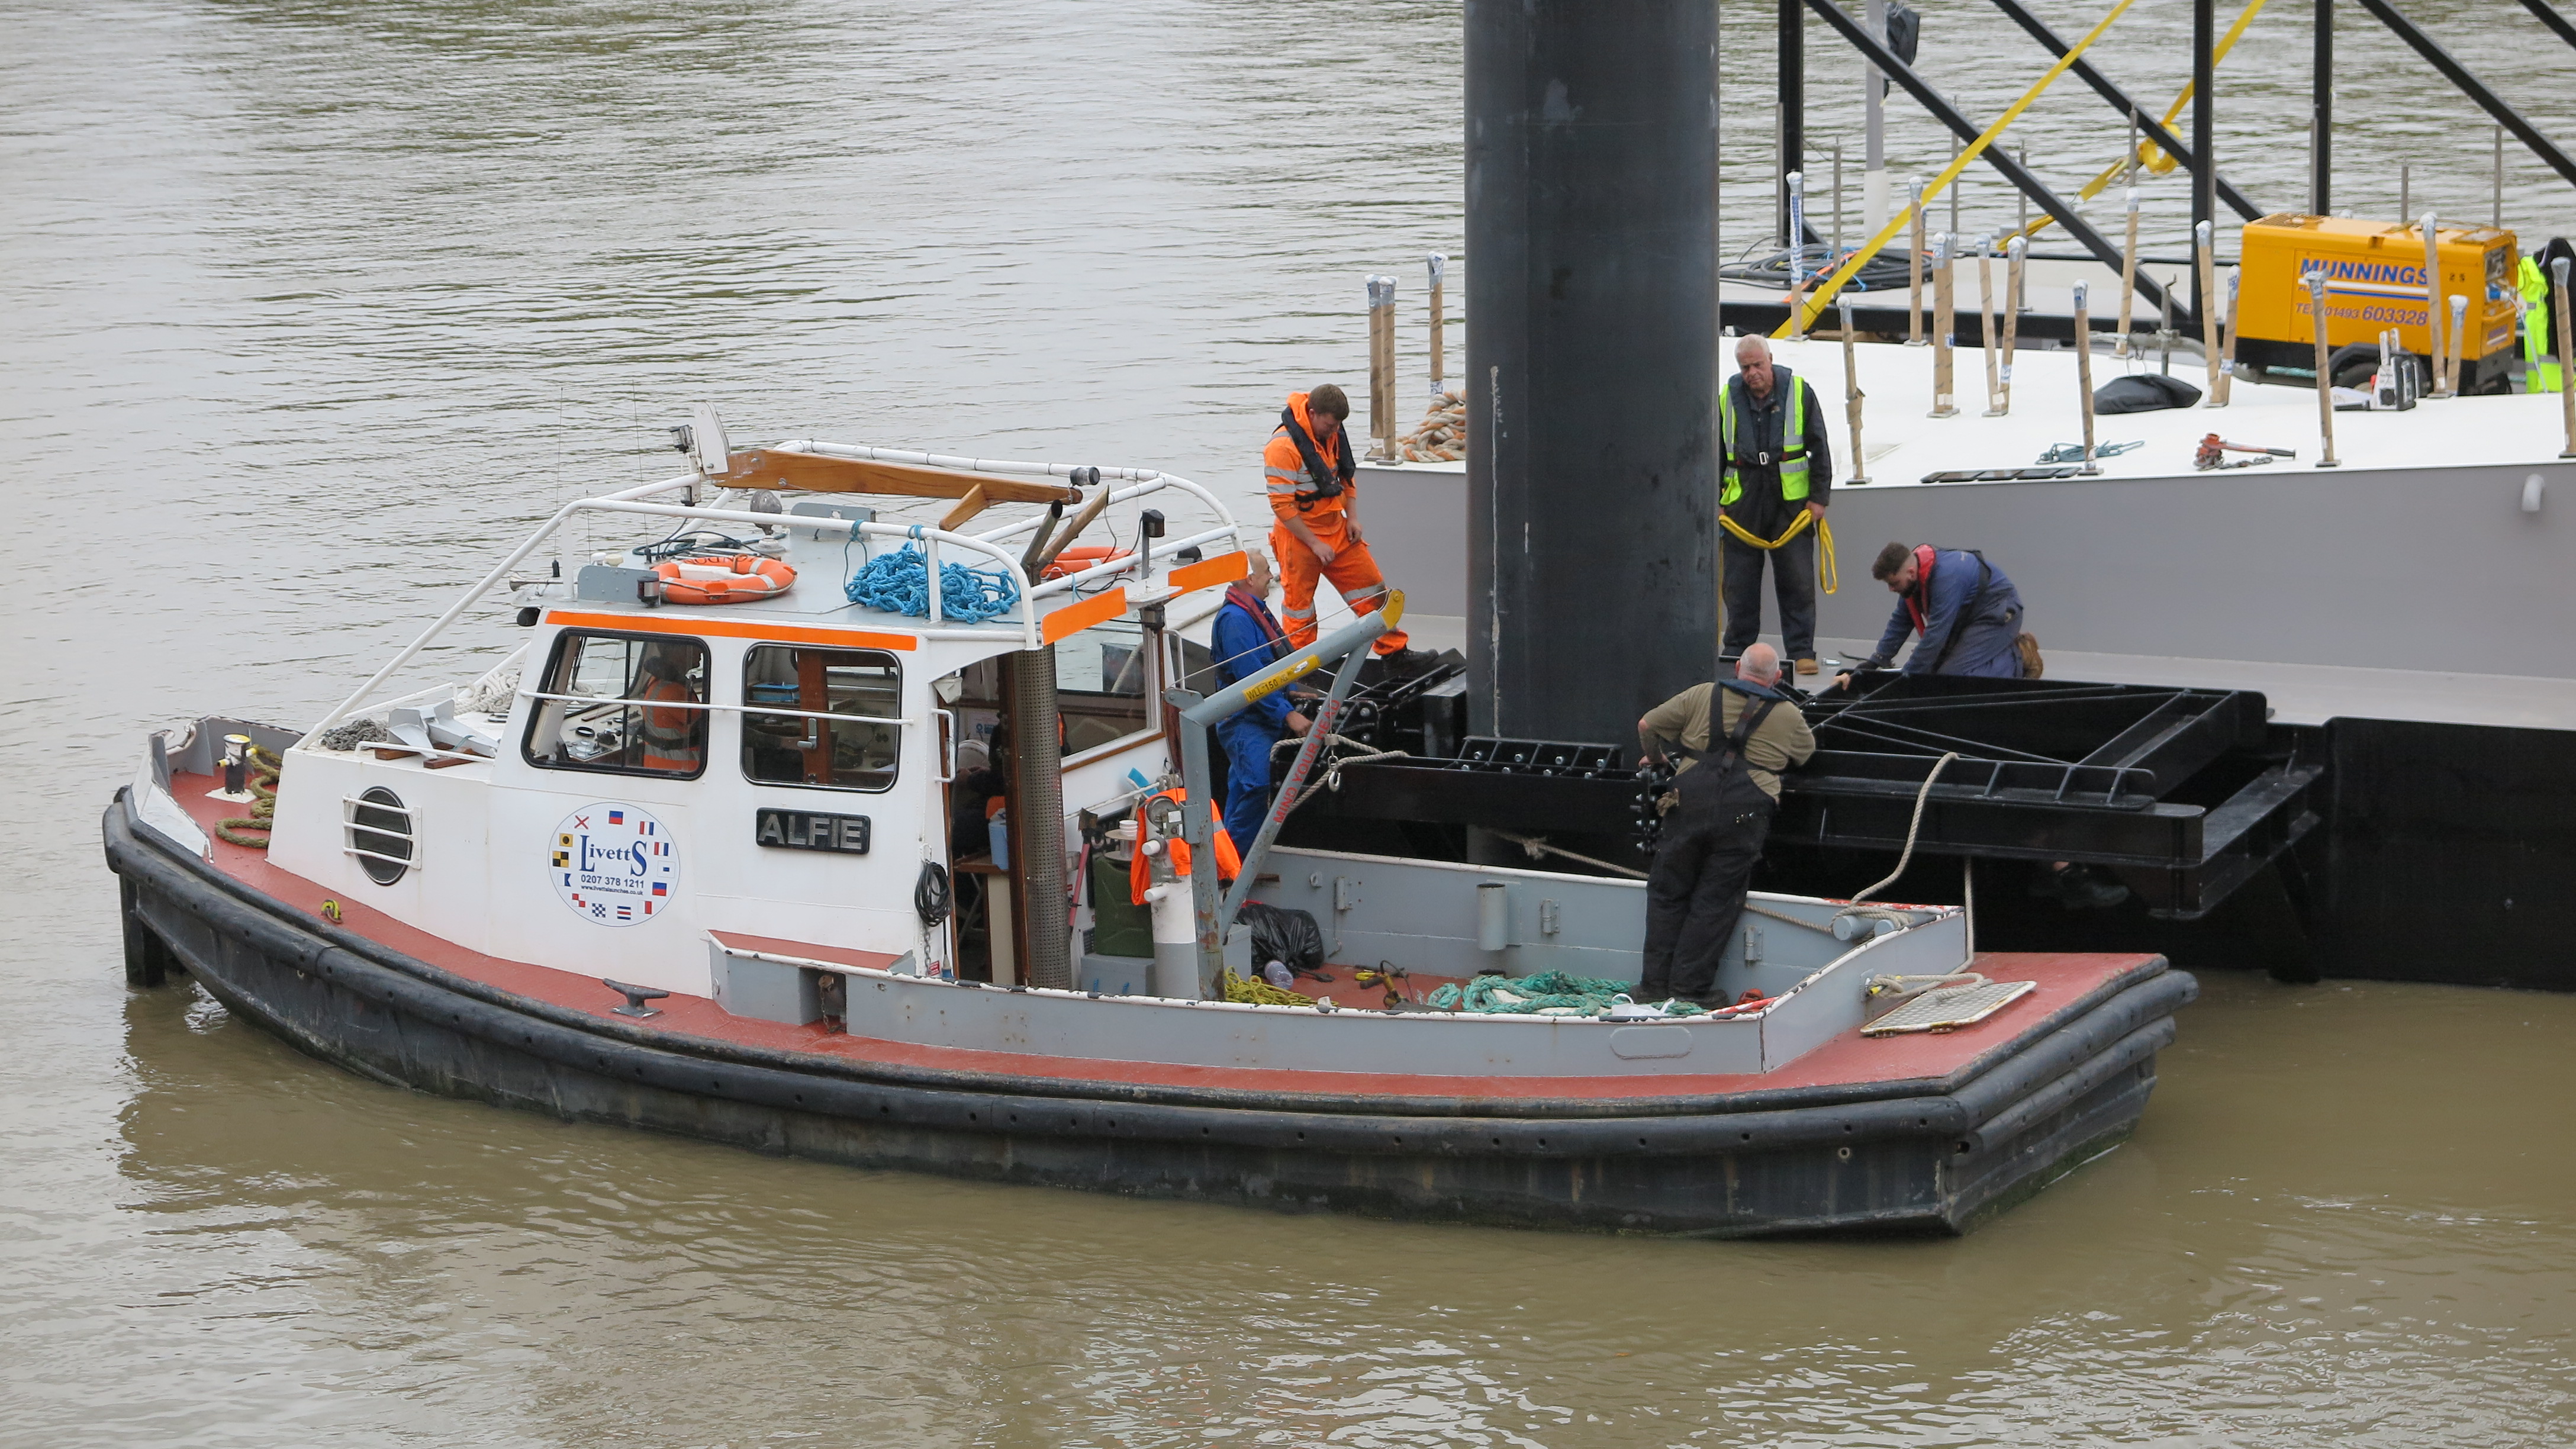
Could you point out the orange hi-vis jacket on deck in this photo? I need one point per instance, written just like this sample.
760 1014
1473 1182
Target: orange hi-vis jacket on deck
1295 493
1140 872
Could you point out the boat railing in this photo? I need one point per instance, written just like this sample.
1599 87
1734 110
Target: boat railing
1137 482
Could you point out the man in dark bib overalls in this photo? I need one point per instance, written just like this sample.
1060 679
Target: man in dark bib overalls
1732 740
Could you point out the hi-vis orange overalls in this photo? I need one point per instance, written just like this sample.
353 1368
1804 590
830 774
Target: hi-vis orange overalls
1296 493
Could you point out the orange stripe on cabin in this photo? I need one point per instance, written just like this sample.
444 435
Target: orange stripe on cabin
1074 618
729 629
1225 568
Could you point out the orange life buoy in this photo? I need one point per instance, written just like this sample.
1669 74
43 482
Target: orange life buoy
1075 560
723 578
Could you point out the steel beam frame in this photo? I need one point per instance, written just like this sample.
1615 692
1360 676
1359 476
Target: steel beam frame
2107 89
1948 115
2458 75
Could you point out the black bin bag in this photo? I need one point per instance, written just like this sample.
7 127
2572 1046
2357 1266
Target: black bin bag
1283 935
2144 392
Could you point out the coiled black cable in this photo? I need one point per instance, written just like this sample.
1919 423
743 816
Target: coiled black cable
931 899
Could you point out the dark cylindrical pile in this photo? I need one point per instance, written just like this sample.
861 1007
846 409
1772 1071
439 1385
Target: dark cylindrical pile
1591 166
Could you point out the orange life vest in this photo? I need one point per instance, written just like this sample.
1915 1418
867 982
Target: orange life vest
1140 872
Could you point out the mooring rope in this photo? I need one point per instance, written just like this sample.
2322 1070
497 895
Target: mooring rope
265 770
1912 828
899 583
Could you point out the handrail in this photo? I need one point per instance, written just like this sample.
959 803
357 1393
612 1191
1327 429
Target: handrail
1140 481
455 611
1979 144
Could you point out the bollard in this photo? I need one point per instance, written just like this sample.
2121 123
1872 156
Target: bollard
1914 270
2566 357
2433 303
2084 375
1851 397
2227 343
2012 319
1382 425
2459 330
1944 318
2128 257
1986 322
2316 283
2206 256
1439 268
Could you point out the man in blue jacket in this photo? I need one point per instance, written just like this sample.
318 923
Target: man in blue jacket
1968 614
1247 640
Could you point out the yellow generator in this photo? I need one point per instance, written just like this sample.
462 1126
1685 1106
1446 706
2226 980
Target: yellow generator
2374 281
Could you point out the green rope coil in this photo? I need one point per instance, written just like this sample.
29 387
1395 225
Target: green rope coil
1549 993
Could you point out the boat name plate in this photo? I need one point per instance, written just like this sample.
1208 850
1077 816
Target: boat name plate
811 830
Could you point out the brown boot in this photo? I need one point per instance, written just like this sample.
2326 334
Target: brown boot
2031 664
1807 665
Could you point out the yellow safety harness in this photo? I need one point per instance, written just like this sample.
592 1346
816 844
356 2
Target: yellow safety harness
1826 575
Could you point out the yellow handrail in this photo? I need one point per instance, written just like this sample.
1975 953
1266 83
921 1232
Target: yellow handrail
1816 305
2150 155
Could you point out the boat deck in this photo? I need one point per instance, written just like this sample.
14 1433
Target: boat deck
1849 1066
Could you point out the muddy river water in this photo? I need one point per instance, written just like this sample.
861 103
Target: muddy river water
310 306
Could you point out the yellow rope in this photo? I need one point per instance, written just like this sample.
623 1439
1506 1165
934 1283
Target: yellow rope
1815 306
1259 993
1828 576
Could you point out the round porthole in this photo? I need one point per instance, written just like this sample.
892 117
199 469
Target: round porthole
380 831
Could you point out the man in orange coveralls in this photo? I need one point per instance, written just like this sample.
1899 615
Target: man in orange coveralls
1309 470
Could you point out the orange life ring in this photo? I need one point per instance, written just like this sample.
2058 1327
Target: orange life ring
723 578
1075 560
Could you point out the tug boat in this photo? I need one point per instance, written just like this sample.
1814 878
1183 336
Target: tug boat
839 864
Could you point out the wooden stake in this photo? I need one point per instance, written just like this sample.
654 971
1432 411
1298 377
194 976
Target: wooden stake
1914 272
1944 321
1382 425
2012 318
2227 347
1439 266
2084 375
2433 302
2566 358
1851 398
2316 283
2204 244
2459 330
2128 256
1986 323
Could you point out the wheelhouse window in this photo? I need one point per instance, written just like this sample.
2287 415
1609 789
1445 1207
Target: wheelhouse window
621 703
837 725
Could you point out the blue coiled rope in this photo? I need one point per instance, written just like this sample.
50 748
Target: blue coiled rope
899 583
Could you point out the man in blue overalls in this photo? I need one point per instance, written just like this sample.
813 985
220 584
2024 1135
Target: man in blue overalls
1968 614
1248 640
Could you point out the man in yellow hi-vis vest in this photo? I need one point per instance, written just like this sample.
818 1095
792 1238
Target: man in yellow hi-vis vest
1779 477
